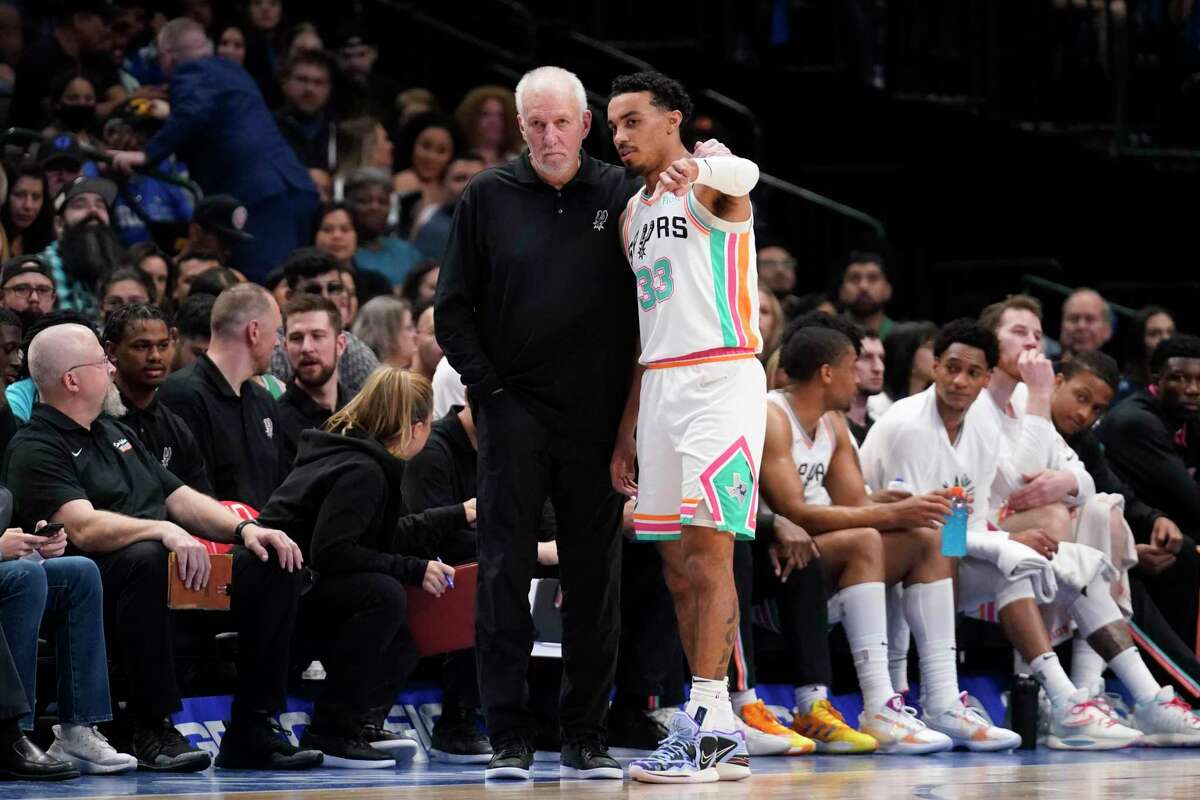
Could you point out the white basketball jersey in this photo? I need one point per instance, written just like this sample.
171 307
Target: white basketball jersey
697 281
812 456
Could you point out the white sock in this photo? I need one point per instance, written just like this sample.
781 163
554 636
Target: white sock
898 637
809 695
1053 678
1087 667
864 617
711 696
739 699
929 608
1129 667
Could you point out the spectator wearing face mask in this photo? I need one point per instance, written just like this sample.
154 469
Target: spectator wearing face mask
73 100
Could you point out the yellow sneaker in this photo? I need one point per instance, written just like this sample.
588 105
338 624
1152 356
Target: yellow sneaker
757 716
830 731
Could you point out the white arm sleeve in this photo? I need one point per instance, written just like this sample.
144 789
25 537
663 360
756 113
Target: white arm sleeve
729 175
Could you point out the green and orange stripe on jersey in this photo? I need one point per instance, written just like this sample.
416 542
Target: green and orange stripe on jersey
729 258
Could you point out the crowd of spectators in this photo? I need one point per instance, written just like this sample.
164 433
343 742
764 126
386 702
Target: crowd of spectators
164 349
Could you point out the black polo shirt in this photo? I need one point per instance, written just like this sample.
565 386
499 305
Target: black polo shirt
168 439
536 295
238 437
53 460
298 412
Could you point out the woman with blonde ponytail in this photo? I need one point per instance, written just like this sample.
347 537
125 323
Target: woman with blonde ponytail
342 504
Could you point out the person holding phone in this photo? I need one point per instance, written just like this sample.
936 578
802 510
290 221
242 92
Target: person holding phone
42 589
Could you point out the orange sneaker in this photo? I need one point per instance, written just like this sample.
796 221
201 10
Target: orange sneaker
759 717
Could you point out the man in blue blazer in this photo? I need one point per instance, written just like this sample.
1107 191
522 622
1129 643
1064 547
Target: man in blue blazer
221 128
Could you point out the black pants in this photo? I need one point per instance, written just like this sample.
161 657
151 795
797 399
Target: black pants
357 625
1176 592
1155 626
796 607
12 693
650 664
520 464
137 628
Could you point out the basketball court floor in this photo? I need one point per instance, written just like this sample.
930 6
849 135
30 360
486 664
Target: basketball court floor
1128 775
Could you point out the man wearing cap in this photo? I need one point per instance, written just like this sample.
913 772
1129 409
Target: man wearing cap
86 247
362 89
27 287
80 41
63 161
220 126
218 225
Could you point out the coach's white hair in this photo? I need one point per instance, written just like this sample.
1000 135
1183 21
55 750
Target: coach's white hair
555 79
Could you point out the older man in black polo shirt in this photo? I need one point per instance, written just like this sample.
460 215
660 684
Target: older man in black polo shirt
138 340
122 508
534 310
234 420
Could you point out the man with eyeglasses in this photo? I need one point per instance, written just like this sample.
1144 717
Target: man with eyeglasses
311 270
28 287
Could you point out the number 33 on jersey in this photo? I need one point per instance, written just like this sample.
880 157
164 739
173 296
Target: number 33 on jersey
697 282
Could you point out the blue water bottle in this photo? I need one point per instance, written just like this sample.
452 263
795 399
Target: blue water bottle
954 532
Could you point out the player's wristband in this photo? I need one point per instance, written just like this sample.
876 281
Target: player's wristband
729 175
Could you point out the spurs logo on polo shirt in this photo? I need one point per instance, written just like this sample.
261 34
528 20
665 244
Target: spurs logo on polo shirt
122 445
269 427
166 457
601 218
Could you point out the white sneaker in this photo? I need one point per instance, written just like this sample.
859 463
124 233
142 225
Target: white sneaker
1167 720
1115 706
896 727
968 728
1083 724
88 750
760 743
315 671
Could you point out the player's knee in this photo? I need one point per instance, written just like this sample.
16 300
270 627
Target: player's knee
1056 522
868 547
675 576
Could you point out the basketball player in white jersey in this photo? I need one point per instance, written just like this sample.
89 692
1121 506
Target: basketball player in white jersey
930 441
811 475
697 402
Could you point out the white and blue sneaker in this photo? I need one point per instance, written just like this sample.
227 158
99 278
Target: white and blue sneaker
677 758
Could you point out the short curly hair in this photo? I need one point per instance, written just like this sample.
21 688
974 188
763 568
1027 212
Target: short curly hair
971 333
665 93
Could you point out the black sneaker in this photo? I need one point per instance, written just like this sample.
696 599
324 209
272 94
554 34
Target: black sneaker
398 746
345 750
588 758
512 759
259 743
161 748
634 728
457 738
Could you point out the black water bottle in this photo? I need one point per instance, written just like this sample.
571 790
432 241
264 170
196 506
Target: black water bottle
1024 704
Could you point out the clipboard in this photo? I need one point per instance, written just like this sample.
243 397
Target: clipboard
447 623
214 597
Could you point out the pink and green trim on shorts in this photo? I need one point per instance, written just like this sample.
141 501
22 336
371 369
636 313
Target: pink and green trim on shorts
730 486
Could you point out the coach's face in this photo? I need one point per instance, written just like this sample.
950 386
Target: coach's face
554 126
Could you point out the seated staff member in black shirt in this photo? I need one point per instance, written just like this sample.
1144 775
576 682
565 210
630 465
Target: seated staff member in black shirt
343 502
139 341
313 341
234 420
1152 438
120 506
1169 566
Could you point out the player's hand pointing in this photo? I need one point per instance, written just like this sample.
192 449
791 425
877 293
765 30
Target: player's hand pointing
678 177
